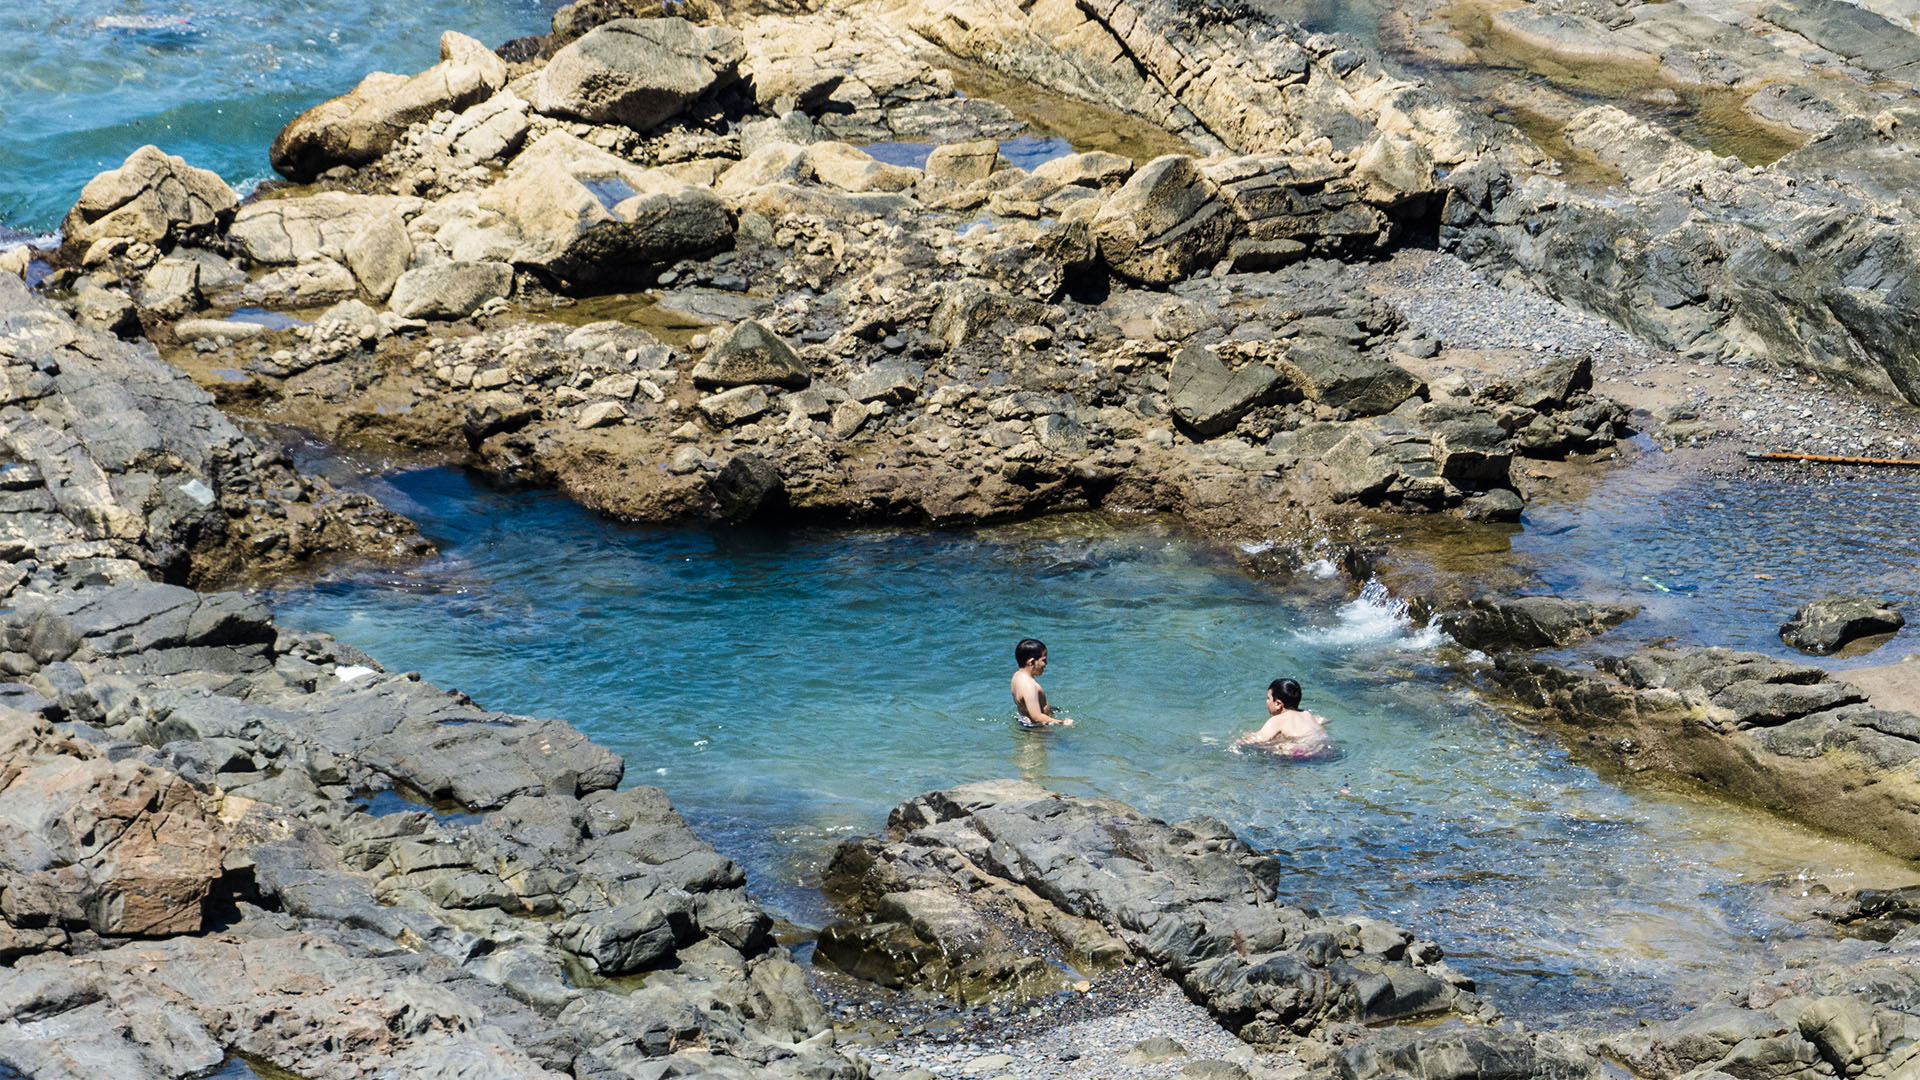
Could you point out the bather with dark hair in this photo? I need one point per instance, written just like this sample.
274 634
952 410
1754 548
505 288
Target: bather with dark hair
1289 729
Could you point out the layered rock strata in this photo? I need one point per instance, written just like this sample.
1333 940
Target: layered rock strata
1765 732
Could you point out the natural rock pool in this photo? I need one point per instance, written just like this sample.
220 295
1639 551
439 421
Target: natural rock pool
787 689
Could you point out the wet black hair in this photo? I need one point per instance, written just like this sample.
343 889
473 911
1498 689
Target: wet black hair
1286 692
1028 649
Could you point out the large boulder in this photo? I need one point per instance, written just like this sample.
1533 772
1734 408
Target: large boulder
637 72
451 290
583 215
361 126
152 196
1832 622
1208 398
750 355
1339 376
1164 223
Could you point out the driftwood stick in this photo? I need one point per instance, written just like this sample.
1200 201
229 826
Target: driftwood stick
1781 455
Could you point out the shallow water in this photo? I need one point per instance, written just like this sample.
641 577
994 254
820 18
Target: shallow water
1726 561
85 82
787 689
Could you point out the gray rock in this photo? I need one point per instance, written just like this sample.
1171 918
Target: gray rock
152 196
965 163
1492 623
1152 1051
972 306
637 72
171 288
1165 222
749 487
730 408
1831 623
109 311
379 253
1342 377
750 354
1208 399
890 380
449 290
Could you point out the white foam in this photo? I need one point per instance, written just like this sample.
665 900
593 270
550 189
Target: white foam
350 672
1324 569
1375 617
1257 547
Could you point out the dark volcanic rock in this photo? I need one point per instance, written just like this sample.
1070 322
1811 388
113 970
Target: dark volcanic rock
1494 623
1208 398
1189 897
1830 623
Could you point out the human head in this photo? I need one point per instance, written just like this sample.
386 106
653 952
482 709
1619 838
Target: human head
1029 650
1285 691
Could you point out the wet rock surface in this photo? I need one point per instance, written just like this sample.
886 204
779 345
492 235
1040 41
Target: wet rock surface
218 837
1831 623
1766 732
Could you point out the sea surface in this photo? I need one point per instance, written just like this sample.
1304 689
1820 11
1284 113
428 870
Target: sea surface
788 688
83 83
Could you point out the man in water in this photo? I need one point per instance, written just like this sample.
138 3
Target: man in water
1289 729
1029 701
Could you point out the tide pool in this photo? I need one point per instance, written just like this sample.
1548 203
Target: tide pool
788 688
84 83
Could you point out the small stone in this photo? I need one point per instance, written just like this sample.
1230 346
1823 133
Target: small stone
687 459
600 414
492 379
1153 1051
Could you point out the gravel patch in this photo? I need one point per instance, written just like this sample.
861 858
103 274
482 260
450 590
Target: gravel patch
1129 1044
1489 330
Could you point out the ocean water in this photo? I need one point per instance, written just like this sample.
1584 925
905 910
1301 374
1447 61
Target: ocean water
788 688
83 83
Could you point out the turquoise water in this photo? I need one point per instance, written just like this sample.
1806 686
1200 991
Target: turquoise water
788 689
85 82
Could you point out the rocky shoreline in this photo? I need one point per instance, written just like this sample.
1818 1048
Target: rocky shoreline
661 264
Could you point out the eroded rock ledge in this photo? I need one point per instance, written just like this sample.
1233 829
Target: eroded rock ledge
1765 732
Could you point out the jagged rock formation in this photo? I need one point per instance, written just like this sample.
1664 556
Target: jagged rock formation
1187 897
111 454
191 865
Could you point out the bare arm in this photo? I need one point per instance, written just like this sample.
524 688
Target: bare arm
1267 733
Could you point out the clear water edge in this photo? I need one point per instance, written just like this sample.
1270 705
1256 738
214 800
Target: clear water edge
787 689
